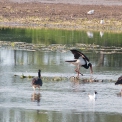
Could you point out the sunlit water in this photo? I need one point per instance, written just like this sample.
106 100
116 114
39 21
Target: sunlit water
61 98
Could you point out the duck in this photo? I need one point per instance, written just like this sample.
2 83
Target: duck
94 96
119 81
37 81
80 60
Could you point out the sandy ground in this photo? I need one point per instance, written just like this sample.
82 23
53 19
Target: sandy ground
60 13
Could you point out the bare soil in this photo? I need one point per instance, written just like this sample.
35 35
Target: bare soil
59 14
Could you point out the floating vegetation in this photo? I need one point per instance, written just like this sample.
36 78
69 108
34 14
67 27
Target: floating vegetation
76 79
64 78
61 47
44 78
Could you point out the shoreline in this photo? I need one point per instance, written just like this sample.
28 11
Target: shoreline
60 16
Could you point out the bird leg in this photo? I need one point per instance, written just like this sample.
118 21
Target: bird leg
76 70
91 70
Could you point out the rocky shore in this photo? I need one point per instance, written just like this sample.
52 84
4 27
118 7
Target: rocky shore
61 16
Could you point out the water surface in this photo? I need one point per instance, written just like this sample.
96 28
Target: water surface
65 100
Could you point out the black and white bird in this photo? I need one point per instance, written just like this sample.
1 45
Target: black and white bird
94 96
80 60
37 81
119 81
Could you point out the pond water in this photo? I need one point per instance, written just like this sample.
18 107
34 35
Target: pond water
62 101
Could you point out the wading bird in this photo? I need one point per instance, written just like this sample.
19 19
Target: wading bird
37 81
80 60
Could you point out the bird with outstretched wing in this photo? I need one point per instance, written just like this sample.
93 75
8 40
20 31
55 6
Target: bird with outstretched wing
80 60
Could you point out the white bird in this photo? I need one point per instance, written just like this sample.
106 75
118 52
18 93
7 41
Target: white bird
102 21
90 12
94 96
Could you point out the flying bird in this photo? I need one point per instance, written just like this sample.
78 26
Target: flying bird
80 60
37 81
119 81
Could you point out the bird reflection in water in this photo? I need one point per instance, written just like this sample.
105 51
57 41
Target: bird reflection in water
36 97
75 82
119 94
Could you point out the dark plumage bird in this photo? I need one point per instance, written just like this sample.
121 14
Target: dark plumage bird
80 60
119 81
37 81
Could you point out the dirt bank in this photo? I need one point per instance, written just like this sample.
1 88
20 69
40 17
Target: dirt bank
69 16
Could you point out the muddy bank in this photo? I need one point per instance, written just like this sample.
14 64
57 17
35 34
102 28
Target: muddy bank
67 16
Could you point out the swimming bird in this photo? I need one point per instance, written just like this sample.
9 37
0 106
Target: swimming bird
94 96
119 81
37 81
80 60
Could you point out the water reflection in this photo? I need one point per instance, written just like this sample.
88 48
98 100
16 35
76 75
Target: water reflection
36 97
101 34
62 101
55 61
17 115
54 36
101 59
90 34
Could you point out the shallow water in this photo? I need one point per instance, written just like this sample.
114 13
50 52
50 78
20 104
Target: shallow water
62 101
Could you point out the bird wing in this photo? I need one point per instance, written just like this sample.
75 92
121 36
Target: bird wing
119 81
71 61
78 53
120 78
